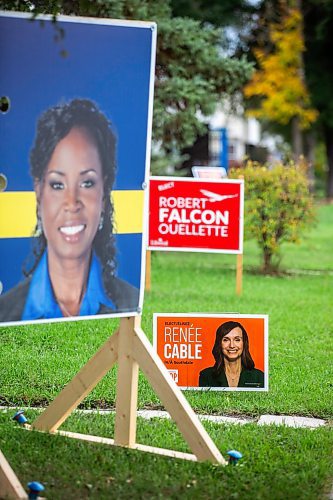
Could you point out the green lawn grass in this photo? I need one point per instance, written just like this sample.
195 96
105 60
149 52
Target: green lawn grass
40 360
278 462
37 361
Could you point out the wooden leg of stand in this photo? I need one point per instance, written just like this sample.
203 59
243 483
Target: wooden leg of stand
10 486
127 386
79 387
148 271
239 274
173 399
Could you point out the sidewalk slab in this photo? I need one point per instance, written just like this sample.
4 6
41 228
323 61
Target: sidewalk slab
290 421
149 414
287 420
220 419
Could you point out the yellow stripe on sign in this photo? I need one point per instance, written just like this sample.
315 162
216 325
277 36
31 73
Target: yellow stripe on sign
128 207
18 213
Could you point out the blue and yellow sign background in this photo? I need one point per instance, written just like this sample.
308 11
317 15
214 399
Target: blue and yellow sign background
45 63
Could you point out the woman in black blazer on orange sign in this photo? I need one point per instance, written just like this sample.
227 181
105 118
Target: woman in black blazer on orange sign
234 366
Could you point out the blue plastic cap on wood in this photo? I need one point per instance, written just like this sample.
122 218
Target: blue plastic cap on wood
34 489
234 456
19 417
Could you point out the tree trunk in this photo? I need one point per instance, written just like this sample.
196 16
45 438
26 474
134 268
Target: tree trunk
267 267
329 151
297 139
310 158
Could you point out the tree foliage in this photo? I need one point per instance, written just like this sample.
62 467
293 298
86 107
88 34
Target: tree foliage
318 29
191 77
279 82
191 74
253 21
278 207
215 12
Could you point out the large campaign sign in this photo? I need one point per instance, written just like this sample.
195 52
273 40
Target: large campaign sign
220 352
75 150
196 215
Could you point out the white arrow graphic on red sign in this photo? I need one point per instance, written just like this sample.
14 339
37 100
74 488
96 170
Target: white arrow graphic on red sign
217 197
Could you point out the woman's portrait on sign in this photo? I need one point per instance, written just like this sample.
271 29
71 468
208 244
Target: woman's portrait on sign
73 268
234 366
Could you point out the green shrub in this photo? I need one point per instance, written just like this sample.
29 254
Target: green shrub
278 206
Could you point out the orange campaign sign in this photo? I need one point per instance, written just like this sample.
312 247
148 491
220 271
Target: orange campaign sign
226 352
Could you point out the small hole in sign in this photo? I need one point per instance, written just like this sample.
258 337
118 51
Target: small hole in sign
3 182
4 104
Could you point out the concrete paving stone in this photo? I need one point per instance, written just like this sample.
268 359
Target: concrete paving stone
287 420
291 421
149 414
220 419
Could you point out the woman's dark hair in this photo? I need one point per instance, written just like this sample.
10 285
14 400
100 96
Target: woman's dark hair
222 331
53 126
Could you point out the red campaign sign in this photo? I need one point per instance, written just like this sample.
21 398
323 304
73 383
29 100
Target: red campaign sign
195 214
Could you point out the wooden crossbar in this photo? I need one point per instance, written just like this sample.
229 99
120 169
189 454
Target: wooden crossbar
136 446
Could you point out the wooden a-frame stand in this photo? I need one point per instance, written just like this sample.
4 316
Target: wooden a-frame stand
130 347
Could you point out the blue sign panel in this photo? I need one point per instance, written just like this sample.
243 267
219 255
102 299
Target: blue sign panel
74 149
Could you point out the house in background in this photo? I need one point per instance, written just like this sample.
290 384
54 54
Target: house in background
231 137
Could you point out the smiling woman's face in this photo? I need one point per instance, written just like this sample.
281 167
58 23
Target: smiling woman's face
232 344
70 196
